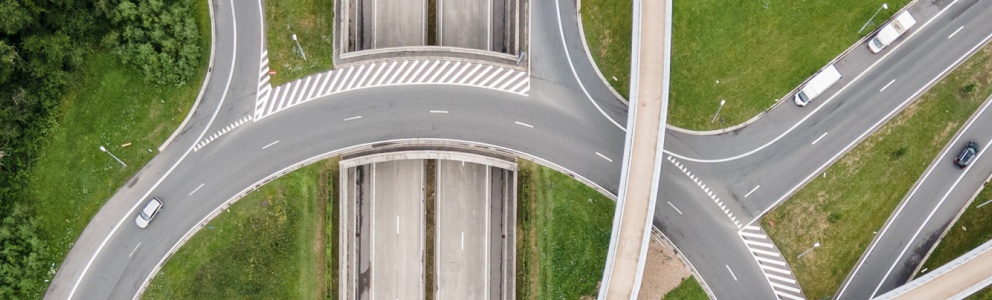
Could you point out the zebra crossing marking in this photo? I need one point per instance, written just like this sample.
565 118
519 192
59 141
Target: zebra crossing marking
271 99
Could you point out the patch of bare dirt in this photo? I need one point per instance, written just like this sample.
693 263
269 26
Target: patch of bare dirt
663 271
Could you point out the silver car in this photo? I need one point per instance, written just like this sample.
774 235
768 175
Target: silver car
148 213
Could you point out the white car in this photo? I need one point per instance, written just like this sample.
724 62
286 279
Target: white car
148 213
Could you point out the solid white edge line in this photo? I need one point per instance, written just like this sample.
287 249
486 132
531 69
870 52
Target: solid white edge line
230 76
561 33
884 229
841 90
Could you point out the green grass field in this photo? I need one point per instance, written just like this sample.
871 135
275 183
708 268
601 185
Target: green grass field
689 289
750 53
312 22
268 245
607 28
862 189
563 232
970 231
108 105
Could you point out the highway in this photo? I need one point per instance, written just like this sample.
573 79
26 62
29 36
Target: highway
570 121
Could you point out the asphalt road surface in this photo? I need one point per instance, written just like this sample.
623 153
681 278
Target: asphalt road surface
574 124
397 230
462 230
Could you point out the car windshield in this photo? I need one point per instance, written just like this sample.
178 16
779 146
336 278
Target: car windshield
143 215
877 43
802 96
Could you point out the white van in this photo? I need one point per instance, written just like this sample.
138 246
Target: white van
891 32
822 81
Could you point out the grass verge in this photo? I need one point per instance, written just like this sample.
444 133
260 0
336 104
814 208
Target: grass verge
563 232
268 245
607 26
748 52
689 289
970 231
312 23
108 105
862 189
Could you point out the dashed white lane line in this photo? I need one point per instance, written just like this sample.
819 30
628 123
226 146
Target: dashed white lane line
955 32
820 138
524 124
463 240
352 118
604 157
439 111
397 224
135 249
676 208
196 189
752 191
887 85
270 145
731 272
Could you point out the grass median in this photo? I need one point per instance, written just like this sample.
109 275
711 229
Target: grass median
563 232
107 105
842 209
272 244
312 23
750 53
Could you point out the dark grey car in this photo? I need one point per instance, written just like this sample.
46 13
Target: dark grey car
967 155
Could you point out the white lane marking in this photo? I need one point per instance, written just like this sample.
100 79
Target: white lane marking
135 249
844 88
196 189
731 272
676 208
524 124
223 96
820 138
887 85
604 157
397 224
439 111
862 136
752 191
463 240
955 32
352 118
925 221
561 32
270 145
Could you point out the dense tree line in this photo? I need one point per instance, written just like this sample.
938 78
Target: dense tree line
41 43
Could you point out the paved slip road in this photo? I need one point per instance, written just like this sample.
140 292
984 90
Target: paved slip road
571 114
462 230
397 230
398 23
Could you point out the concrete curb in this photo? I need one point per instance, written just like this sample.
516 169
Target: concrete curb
206 79
786 97
351 150
585 46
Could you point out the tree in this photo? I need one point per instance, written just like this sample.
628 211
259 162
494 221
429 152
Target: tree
21 256
161 40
